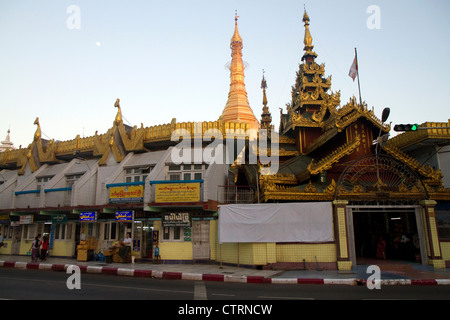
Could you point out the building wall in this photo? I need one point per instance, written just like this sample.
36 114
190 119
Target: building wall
176 251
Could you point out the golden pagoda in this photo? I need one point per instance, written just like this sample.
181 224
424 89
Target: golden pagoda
237 108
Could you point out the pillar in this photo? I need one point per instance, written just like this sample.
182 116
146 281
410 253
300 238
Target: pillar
433 245
340 232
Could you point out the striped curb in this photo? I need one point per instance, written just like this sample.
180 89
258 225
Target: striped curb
170 275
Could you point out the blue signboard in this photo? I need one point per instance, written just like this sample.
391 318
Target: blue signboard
124 215
52 237
88 216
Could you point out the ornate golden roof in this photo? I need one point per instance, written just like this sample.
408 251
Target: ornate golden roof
119 139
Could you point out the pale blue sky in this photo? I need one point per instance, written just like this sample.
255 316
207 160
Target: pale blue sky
166 59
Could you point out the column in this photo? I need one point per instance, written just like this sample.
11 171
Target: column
340 232
433 245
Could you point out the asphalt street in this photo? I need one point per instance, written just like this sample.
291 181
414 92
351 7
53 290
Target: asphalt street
40 285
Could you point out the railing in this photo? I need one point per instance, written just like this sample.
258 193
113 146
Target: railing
235 194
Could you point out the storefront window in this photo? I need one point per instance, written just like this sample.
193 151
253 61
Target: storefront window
110 231
63 231
30 231
172 233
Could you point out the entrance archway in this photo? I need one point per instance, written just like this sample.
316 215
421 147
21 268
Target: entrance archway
383 195
379 178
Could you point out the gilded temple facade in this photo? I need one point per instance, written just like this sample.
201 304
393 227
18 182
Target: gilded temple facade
326 155
339 154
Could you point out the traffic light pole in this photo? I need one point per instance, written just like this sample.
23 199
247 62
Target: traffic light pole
425 128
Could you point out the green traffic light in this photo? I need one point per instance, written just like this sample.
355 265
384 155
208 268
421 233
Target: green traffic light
414 127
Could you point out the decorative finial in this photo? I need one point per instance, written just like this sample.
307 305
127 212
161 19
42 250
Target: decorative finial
235 16
266 117
264 87
305 16
308 38
118 119
263 82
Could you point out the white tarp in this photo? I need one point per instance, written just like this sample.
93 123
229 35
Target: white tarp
276 222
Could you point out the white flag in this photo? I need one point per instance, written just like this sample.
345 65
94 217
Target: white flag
353 69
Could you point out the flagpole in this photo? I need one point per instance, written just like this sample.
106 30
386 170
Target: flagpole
357 72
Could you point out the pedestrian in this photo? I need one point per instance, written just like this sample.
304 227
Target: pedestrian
127 244
381 248
157 257
44 248
35 248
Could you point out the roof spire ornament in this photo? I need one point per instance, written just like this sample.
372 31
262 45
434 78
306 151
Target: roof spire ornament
266 117
118 119
307 41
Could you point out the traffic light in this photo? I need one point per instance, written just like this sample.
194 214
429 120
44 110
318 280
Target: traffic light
406 127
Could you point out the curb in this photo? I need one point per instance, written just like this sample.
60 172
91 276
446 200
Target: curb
212 277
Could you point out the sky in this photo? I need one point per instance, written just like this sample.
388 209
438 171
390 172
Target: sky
67 61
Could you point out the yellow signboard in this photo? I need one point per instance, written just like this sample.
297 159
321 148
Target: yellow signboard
177 192
126 194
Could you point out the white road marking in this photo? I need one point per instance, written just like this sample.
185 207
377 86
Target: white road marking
200 291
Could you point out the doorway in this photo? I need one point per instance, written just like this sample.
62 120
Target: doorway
386 233
16 239
200 240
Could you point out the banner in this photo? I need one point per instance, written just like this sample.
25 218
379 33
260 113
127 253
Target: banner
177 192
276 222
27 219
126 194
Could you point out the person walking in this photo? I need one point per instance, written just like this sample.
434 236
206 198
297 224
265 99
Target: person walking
157 256
44 248
35 248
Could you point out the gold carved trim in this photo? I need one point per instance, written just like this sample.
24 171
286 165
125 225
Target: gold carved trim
337 154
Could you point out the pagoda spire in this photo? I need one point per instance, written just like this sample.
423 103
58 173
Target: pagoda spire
266 117
309 55
237 108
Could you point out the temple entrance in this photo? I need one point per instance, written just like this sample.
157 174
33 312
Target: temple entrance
386 234
384 222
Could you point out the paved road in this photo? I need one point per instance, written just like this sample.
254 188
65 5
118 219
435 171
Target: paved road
38 284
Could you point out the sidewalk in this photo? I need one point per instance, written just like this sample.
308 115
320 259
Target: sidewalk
406 274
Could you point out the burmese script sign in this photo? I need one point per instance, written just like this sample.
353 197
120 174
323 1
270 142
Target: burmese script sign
177 192
124 215
180 219
125 194
88 216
